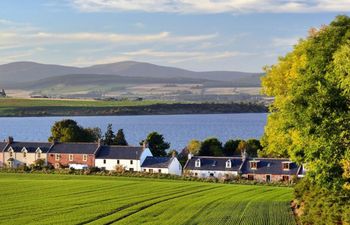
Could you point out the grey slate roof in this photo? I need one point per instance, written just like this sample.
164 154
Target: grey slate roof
214 163
30 146
269 166
2 146
119 152
74 148
156 162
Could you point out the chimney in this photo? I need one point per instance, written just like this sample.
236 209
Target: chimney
244 155
190 155
10 140
99 142
145 144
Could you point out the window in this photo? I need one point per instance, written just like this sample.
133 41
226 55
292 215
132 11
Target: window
131 169
85 157
228 164
57 157
104 161
131 162
254 165
10 163
198 163
150 170
118 162
285 178
211 174
24 154
159 171
285 165
57 165
11 154
38 155
250 177
70 157
196 174
144 170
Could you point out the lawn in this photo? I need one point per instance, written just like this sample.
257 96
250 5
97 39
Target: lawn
63 199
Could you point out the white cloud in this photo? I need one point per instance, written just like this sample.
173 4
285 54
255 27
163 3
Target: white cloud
214 6
285 42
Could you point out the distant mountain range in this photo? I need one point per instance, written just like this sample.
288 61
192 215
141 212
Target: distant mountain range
30 75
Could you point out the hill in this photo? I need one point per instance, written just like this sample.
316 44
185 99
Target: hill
67 199
31 71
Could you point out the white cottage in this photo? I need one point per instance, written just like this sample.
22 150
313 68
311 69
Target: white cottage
207 166
166 165
128 158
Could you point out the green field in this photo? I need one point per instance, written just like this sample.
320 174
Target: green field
25 102
63 199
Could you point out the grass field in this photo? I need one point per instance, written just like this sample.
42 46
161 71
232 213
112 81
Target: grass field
63 199
25 102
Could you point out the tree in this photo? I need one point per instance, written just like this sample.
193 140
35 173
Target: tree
109 135
69 131
310 116
242 146
156 144
230 147
120 138
211 147
194 146
253 146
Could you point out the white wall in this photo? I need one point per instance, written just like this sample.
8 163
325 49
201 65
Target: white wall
206 173
175 167
112 163
146 152
155 170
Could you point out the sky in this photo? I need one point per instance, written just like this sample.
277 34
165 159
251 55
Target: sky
199 35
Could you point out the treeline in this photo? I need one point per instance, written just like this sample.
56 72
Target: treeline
310 121
68 130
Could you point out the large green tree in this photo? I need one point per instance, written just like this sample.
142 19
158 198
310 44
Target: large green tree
156 144
310 116
211 147
230 147
69 131
109 135
120 138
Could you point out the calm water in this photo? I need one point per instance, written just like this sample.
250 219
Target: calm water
177 129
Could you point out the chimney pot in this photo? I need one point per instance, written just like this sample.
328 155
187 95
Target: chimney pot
10 140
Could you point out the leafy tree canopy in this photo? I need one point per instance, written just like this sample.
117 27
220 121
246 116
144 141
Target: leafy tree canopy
211 147
120 138
157 144
69 131
194 146
230 147
109 135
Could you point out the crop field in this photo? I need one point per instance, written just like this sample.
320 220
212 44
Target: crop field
64 199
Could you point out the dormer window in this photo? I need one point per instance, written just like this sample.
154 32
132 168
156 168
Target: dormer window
198 163
228 164
38 153
286 165
254 164
24 151
11 152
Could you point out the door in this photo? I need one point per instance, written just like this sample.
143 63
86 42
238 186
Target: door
268 178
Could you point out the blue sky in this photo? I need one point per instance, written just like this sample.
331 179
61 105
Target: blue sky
200 35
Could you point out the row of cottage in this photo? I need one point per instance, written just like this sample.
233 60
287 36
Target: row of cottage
140 159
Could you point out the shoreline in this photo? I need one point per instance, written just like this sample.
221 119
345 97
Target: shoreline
153 109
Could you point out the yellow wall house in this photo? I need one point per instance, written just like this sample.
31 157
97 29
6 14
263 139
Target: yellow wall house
18 154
